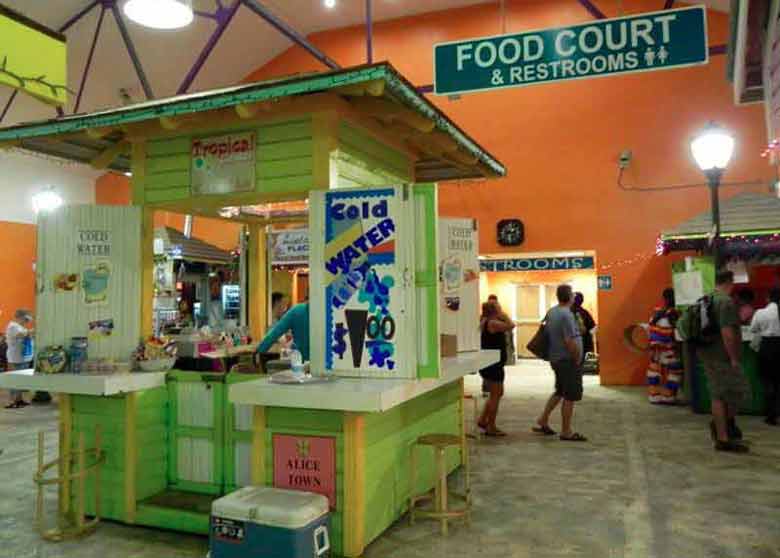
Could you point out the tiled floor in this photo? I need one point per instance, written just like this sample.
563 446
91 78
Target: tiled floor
648 484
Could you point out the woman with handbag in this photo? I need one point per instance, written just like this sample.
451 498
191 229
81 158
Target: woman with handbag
493 337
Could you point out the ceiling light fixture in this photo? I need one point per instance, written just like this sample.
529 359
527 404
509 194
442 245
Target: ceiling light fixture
160 14
330 4
46 200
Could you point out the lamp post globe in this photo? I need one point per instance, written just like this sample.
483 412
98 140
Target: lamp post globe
712 149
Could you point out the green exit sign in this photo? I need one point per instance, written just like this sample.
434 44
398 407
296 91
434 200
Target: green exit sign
642 43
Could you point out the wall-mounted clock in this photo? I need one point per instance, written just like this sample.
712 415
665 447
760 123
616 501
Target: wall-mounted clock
511 232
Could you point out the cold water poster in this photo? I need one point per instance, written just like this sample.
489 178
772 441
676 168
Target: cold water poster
363 287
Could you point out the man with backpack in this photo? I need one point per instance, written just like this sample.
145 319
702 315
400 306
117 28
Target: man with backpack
719 351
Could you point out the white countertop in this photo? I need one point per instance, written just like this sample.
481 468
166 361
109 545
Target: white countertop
81 384
366 395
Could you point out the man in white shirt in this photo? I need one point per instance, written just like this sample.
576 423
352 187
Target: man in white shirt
766 327
16 333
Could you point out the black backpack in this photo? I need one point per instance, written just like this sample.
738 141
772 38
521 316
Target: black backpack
698 323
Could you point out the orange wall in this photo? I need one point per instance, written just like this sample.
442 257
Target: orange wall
114 189
561 143
16 263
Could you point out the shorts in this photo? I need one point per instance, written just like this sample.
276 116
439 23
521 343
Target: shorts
568 380
726 384
493 373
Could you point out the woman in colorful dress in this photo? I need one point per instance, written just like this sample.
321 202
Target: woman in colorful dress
665 370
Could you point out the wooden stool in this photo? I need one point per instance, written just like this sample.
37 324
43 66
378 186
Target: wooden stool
474 432
440 492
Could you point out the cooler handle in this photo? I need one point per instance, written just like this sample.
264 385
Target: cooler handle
321 530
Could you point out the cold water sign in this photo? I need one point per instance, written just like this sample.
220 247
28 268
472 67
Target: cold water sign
306 463
94 243
650 41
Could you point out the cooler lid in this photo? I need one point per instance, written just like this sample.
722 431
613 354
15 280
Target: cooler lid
273 507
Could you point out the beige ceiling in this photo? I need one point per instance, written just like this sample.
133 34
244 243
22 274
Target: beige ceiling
167 55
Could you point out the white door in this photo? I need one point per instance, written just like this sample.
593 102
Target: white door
532 303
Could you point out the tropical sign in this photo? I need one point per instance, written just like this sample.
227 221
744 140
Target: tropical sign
362 294
223 164
646 42
33 58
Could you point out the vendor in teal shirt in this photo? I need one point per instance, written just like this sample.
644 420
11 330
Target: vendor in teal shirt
296 319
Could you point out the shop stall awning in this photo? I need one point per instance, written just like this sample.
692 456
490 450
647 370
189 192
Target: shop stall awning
747 214
191 249
376 91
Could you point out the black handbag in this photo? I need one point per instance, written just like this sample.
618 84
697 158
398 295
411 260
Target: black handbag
539 345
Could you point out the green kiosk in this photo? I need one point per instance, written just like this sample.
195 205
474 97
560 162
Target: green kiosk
366 150
750 243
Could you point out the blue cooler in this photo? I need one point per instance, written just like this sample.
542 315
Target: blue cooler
265 522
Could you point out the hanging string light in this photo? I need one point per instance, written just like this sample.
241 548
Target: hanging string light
638 258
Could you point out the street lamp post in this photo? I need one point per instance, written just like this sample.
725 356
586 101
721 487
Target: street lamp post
712 149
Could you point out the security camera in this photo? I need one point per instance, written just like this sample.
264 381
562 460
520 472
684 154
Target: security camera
625 158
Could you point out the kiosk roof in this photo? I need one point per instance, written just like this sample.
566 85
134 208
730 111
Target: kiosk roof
68 137
746 214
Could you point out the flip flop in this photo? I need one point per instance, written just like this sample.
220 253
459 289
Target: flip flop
576 437
545 430
495 433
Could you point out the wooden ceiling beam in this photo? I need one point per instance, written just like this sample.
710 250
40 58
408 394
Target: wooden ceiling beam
175 122
107 156
374 88
461 158
99 133
382 108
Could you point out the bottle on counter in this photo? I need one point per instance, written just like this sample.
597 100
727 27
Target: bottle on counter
77 354
296 362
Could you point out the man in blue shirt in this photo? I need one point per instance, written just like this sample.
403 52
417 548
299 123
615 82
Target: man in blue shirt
296 319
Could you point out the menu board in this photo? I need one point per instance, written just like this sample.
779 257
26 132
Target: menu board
459 281
88 265
362 282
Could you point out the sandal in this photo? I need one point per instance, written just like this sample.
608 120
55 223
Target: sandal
495 433
576 437
15 405
545 430
482 425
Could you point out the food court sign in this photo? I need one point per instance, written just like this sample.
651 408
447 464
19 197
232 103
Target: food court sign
642 43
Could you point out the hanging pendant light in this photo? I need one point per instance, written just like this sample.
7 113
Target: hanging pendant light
160 14
46 201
